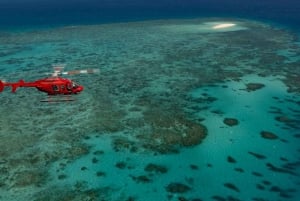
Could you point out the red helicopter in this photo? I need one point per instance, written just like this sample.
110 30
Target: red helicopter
53 85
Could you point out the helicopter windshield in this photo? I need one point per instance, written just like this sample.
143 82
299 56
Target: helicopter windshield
74 85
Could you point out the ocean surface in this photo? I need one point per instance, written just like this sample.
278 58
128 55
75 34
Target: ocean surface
195 101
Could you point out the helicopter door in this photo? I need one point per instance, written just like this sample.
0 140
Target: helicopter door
69 86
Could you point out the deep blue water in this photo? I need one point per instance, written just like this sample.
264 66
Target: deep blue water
44 13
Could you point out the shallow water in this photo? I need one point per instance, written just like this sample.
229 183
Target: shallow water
179 111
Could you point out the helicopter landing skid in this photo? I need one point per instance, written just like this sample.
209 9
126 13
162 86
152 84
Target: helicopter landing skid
58 98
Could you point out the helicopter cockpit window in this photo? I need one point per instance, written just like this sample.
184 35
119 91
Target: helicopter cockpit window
55 88
74 85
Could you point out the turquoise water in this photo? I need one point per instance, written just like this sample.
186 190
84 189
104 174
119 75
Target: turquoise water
180 111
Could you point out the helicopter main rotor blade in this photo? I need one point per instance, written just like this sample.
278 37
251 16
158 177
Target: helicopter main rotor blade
86 71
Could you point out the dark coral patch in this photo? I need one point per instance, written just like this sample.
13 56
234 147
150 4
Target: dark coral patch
131 198
169 137
100 174
62 176
218 198
231 198
78 193
78 151
95 160
232 187
284 159
180 198
121 144
239 169
283 140
231 159
177 188
141 179
121 165
268 135
220 112
254 86
275 189
256 155
231 121
267 183
228 198
206 99
285 195
170 130
194 167
257 174
297 136
280 170
260 187
259 199
292 165
283 119
98 152
29 177
194 134
156 168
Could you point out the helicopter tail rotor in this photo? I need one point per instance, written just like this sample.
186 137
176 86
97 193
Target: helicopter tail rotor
1 86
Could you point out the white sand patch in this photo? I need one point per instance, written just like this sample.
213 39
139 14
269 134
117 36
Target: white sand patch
223 25
208 27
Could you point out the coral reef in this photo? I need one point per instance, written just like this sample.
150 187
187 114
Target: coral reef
155 168
230 159
280 170
177 188
256 155
141 102
254 86
65 193
231 187
257 174
141 179
170 131
231 121
268 135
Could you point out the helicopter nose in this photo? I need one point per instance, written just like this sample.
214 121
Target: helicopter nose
80 88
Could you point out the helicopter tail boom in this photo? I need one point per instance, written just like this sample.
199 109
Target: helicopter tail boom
15 85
